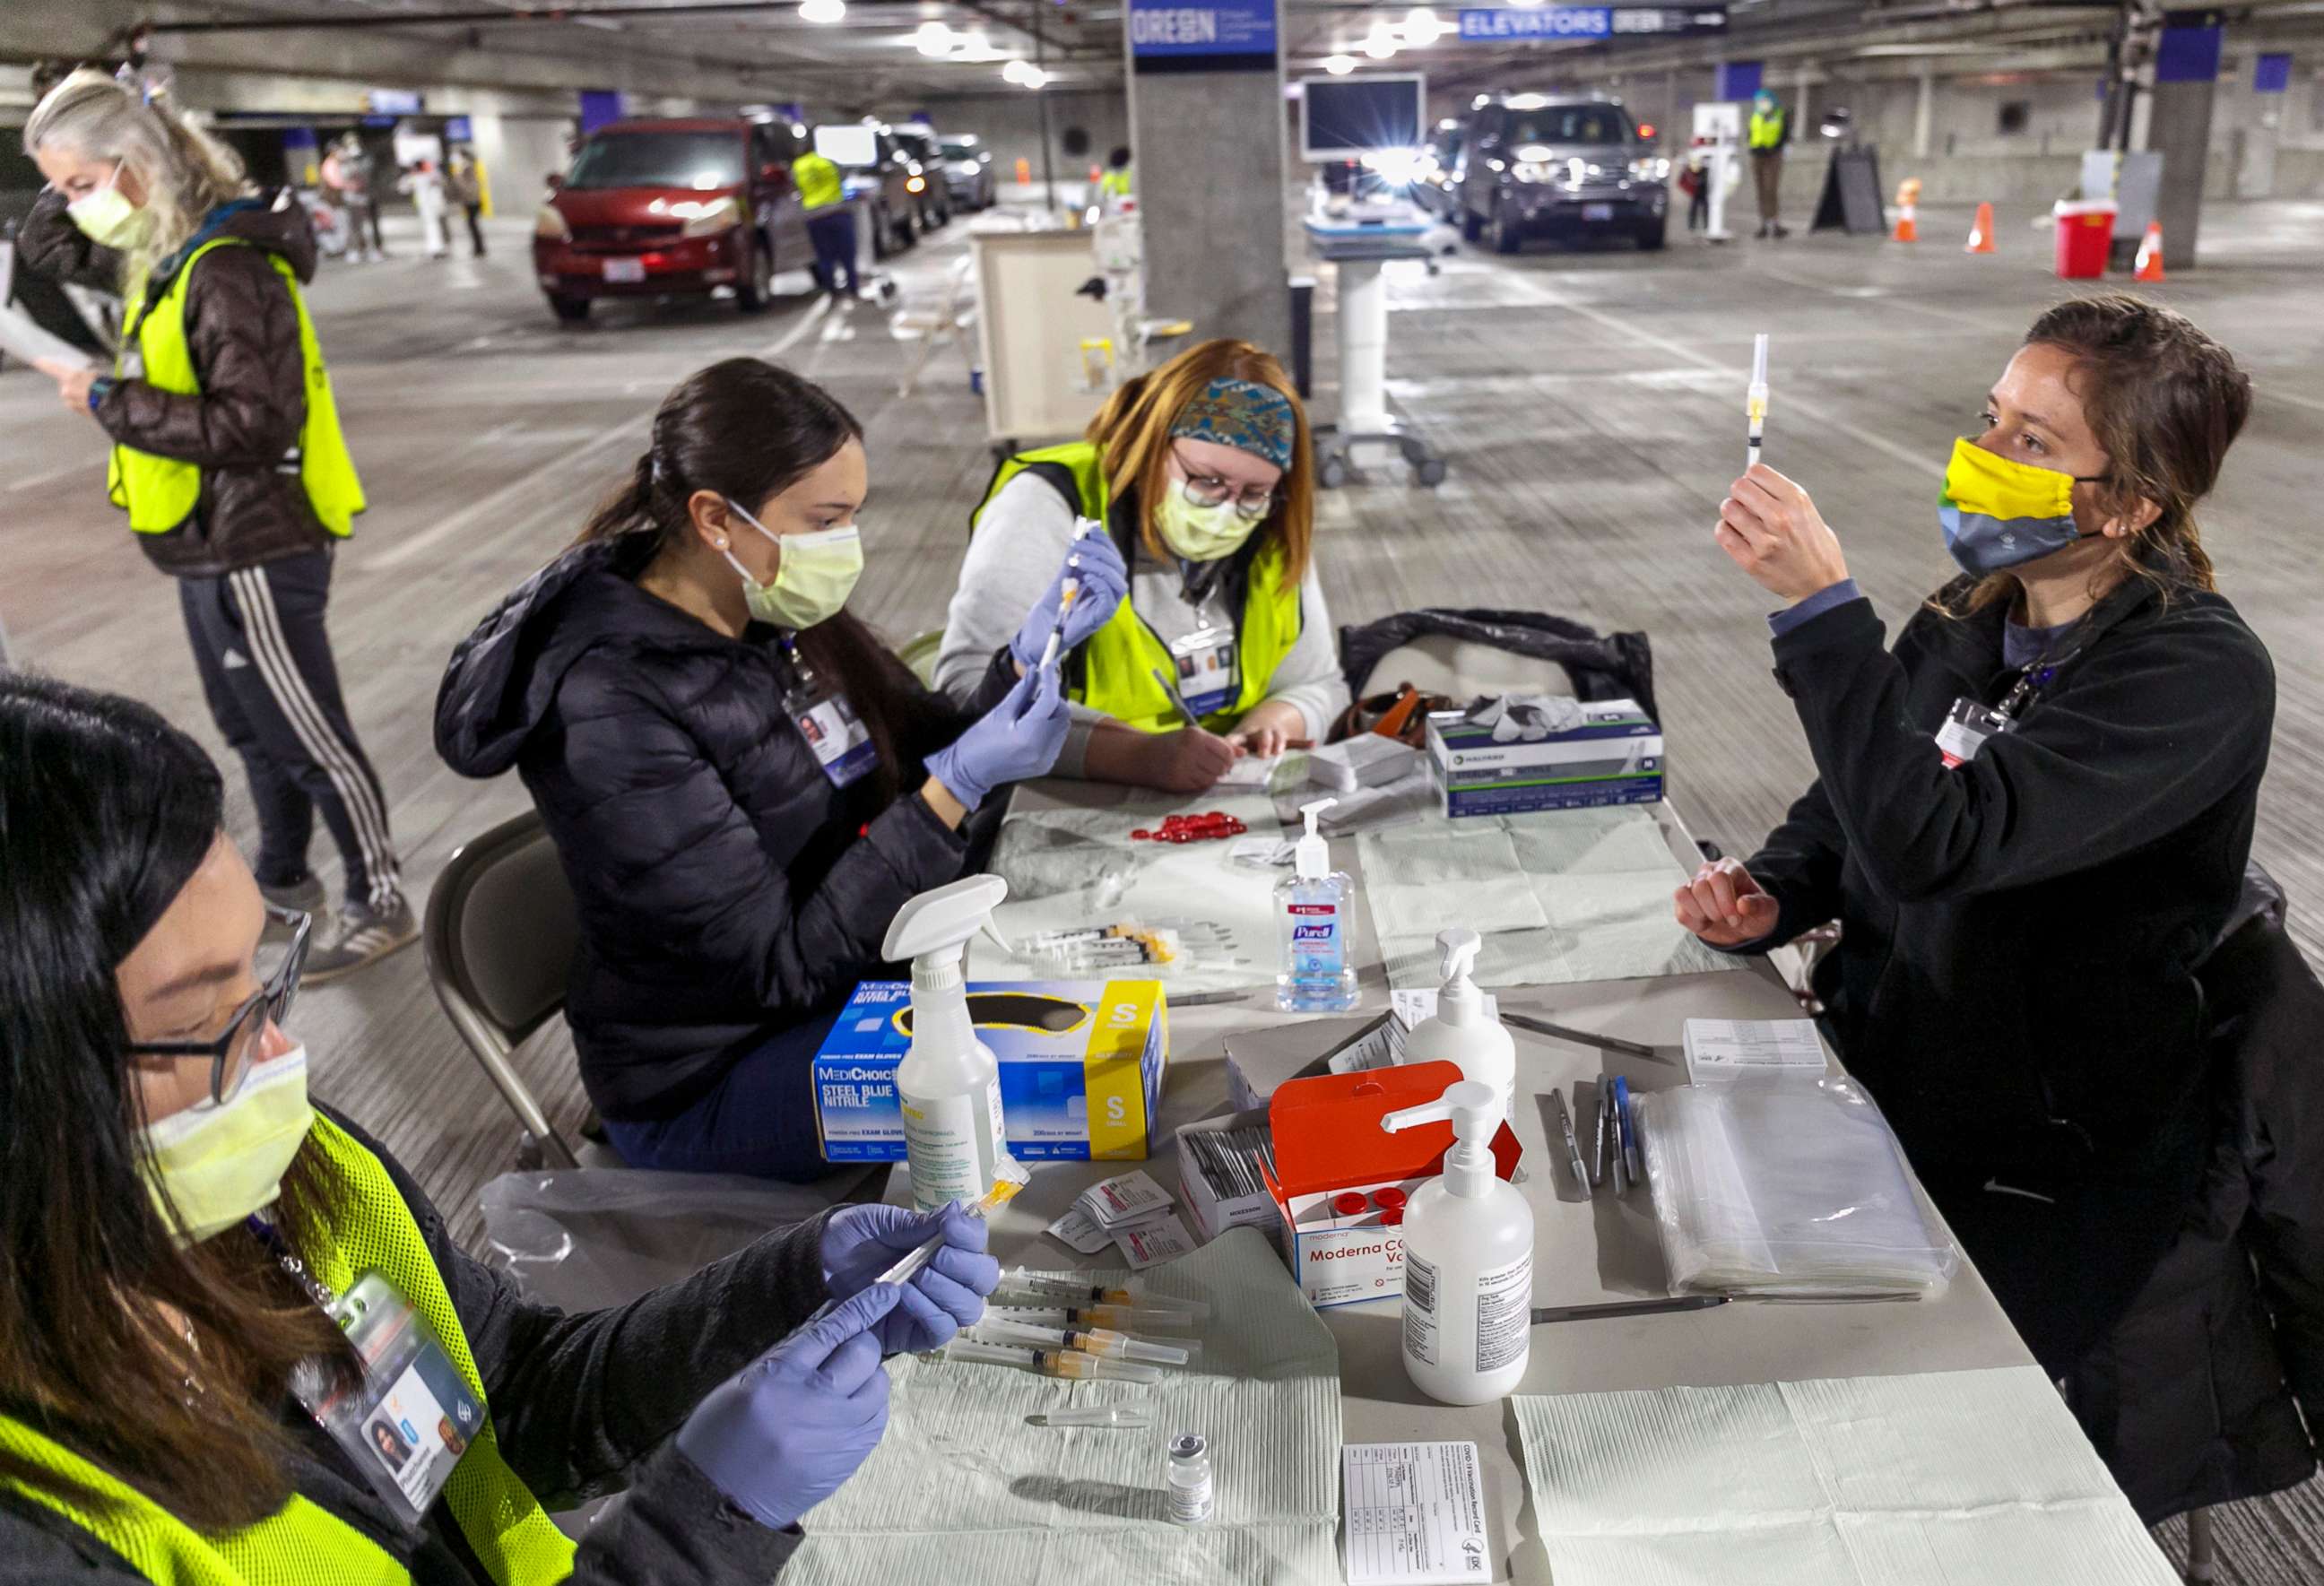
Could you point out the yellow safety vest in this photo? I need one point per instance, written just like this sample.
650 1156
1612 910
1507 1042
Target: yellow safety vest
1115 184
819 181
1768 130
161 492
1119 660
302 1543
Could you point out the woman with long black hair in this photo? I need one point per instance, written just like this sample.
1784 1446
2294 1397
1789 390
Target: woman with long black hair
743 784
200 1259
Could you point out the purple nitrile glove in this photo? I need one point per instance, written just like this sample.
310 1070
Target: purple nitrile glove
860 1242
1104 580
781 1434
1018 739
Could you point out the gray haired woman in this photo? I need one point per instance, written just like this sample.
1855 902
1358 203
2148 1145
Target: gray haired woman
227 456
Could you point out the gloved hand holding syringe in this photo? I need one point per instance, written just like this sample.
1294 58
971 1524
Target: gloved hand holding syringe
1077 602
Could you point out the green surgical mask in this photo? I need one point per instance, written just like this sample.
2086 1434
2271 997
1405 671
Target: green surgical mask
219 1162
817 574
109 220
1200 533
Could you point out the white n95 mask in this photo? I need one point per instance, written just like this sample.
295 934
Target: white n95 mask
219 1162
817 574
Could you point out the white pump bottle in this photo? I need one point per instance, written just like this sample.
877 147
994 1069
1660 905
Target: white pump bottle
1468 1261
1461 1031
949 1082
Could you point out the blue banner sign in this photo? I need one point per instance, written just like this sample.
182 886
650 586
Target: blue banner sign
1590 22
1159 28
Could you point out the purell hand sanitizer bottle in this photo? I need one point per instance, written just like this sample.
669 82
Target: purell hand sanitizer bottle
1311 908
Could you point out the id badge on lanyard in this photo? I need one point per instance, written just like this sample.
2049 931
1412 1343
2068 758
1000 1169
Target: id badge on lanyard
1205 659
407 1421
841 743
1969 725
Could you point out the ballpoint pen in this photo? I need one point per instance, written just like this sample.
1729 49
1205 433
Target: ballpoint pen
1599 1178
1627 1125
1573 1146
1170 690
1542 1026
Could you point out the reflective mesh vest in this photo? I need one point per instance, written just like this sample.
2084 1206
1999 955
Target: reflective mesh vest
1768 130
161 492
819 181
302 1544
1118 662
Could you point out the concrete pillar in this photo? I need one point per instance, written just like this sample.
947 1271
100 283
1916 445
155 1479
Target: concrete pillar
1924 111
1207 130
2186 79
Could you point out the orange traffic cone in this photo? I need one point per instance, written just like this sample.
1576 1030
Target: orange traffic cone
1981 234
1908 226
2150 253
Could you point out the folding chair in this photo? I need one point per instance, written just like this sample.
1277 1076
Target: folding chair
948 320
500 936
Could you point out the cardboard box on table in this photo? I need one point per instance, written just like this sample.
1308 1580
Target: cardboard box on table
1613 755
1081 1067
1329 1145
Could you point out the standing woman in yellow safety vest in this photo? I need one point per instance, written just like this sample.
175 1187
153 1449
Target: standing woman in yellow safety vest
1770 130
1201 471
238 1345
228 460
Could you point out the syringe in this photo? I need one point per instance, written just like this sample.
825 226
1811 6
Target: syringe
1071 1363
1754 400
1070 592
1131 1416
1124 1318
1096 1341
1009 1176
1072 1292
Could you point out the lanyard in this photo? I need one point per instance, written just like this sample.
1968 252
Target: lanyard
290 1261
2032 677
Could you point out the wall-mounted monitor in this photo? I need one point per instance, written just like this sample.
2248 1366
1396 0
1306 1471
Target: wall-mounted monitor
1348 118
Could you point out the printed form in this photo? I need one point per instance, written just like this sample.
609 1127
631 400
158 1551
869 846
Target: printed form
1415 1514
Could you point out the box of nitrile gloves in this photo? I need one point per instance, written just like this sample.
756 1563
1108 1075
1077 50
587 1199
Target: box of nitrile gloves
1081 1067
1513 755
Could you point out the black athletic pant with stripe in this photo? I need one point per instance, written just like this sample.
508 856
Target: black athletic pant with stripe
274 689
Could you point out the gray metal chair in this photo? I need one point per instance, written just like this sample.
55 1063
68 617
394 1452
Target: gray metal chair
500 936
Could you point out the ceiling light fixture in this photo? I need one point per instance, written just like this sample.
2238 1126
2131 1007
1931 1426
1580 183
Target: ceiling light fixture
1339 65
1380 42
1422 27
825 10
934 39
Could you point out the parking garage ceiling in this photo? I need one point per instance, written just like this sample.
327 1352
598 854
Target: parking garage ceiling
885 52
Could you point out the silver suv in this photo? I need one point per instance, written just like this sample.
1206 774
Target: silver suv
1535 165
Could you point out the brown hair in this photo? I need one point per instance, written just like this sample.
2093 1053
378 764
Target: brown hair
164 1365
747 430
1132 432
2166 401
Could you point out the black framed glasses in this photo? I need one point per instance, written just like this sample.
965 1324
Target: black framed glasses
279 964
1209 490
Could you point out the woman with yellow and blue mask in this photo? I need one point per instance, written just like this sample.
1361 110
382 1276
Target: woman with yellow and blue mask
1203 474
2033 815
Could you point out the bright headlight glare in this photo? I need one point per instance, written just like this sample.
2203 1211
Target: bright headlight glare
706 217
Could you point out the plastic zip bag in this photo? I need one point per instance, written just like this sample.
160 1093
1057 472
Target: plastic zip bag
1789 1189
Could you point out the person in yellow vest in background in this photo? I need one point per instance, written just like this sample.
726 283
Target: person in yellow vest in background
228 460
1202 472
241 1349
1770 130
1115 185
830 223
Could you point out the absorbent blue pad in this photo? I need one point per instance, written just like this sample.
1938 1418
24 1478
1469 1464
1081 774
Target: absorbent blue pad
963 1492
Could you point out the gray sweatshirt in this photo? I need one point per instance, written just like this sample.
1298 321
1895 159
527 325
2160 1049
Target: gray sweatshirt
582 1405
1020 543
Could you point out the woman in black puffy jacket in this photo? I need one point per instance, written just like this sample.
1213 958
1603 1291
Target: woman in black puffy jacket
743 784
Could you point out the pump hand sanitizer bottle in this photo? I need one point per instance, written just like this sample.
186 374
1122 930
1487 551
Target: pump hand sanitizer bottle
1461 1031
949 1082
1468 1261
1311 908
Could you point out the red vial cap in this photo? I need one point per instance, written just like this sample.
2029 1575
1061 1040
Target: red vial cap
1390 1199
1140 834
1350 1204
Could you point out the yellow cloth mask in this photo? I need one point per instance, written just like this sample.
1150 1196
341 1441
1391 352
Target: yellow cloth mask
1999 513
217 1162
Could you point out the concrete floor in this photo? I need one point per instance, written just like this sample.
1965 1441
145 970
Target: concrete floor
1590 403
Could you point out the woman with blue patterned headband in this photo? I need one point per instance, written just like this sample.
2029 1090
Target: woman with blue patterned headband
1202 472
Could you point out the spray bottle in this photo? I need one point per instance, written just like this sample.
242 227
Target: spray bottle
1313 907
1461 1031
1468 1259
949 1082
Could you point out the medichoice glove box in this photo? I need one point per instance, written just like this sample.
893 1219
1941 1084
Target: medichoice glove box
1341 1182
1081 1067
1516 755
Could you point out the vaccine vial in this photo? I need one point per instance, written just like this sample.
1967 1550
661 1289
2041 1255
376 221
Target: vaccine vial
1191 1498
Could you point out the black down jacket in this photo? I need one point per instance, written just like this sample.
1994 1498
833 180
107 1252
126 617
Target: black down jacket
726 888
1613 666
2196 1397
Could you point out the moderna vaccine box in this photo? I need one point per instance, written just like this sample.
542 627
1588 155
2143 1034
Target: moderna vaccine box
1081 1067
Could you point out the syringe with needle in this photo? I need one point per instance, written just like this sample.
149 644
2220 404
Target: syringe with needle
1755 401
1070 592
1070 1291
1093 1341
1071 1363
1124 1318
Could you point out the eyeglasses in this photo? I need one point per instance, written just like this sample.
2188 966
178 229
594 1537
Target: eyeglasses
1209 490
232 1054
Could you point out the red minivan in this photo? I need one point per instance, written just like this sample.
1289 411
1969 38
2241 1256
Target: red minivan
673 208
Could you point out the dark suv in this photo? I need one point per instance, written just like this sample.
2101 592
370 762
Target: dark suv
932 195
891 186
1531 165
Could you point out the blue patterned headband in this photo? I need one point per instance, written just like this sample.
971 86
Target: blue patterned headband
1243 414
